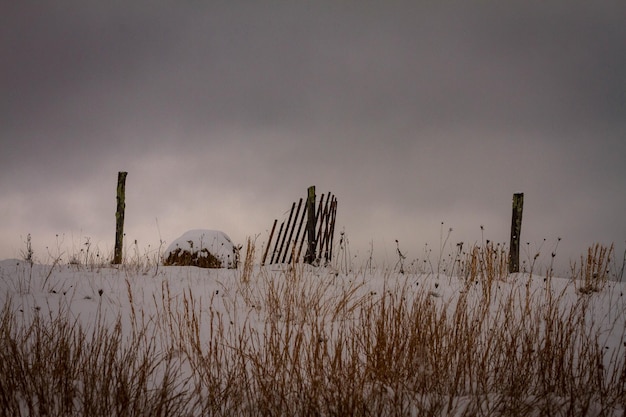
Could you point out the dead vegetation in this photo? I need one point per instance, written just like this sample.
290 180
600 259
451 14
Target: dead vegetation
201 258
324 344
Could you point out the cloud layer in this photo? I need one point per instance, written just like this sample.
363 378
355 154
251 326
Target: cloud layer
411 113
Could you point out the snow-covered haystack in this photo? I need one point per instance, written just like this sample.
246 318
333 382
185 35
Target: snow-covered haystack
203 248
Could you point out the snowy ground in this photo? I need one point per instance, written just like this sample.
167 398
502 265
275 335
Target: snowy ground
323 305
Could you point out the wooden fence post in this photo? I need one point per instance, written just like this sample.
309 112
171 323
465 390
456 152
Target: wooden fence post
310 225
516 229
119 217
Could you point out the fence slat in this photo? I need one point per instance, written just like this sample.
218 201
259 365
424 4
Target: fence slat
295 220
277 240
318 218
332 228
327 218
323 238
282 244
269 242
295 241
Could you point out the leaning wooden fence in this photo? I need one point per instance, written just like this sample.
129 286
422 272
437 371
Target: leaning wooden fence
319 230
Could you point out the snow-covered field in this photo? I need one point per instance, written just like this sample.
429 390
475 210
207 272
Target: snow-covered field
140 339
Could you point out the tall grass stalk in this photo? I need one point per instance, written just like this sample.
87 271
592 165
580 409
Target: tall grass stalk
307 341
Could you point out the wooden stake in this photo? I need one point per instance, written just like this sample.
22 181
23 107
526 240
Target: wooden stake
119 217
516 229
310 225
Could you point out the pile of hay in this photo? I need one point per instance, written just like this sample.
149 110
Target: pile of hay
202 248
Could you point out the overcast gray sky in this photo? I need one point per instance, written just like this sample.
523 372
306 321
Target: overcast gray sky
412 113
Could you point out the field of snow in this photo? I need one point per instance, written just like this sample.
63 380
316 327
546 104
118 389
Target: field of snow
141 339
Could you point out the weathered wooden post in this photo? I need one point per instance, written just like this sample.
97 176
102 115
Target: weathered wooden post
119 217
310 225
516 229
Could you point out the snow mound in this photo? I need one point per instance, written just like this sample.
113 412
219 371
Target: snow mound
203 248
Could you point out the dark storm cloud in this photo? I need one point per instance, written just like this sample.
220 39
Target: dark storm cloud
412 112
264 66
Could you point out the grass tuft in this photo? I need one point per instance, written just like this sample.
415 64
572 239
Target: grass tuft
311 341
592 273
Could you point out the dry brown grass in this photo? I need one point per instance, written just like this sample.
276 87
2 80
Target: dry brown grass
201 258
52 366
593 272
312 343
248 264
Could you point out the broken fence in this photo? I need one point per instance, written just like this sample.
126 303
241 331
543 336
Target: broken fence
319 230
